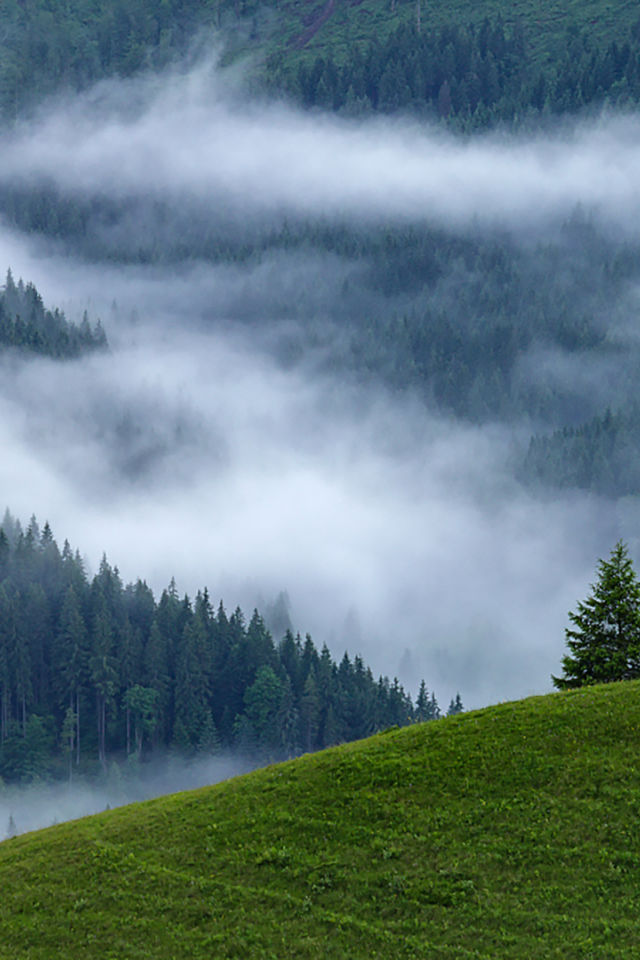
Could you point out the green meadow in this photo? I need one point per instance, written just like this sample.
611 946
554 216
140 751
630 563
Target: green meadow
511 831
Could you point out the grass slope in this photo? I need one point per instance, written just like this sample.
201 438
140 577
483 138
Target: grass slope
508 832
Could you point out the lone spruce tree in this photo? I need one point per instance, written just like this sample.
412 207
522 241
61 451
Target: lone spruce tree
604 642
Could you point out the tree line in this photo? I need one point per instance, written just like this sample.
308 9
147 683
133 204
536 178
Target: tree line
92 669
27 326
456 318
470 76
601 455
45 46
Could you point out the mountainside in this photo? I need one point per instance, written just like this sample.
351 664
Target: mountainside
43 46
508 832
340 24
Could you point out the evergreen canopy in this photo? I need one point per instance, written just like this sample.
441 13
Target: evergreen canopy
604 642
94 671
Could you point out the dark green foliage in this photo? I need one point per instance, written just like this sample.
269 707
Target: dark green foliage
602 455
479 307
604 642
470 76
426 706
27 326
96 669
455 706
45 46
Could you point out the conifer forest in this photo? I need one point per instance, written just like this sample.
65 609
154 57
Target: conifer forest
319 341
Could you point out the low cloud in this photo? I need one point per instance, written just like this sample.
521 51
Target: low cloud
197 448
389 528
188 138
27 808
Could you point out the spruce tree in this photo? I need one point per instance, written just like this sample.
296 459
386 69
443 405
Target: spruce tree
455 706
604 642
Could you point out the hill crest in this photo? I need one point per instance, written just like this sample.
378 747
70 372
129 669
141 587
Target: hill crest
504 832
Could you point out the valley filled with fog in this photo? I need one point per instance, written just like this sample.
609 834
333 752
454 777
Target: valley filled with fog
222 439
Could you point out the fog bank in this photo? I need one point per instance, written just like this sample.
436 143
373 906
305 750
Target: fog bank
196 454
190 139
40 805
194 450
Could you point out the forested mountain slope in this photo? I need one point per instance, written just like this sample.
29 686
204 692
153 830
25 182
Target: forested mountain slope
484 325
471 75
28 326
92 669
481 62
508 832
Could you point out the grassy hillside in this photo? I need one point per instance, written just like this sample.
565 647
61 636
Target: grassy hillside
509 832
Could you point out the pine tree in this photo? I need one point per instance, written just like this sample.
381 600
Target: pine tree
68 738
141 703
208 741
604 642
422 712
455 706
192 680
310 712
156 672
262 703
71 656
104 674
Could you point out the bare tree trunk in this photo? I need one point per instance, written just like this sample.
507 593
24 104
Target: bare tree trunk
103 739
71 742
5 714
77 727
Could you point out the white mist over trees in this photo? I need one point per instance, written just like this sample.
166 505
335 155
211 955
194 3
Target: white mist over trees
91 669
331 341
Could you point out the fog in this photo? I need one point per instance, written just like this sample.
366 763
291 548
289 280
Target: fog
197 448
41 805
196 454
190 135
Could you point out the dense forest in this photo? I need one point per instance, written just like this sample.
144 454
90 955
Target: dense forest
471 77
602 455
480 324
455 316
45 47
469 74
26 325
93 670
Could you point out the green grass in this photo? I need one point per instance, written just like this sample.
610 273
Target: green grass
509 832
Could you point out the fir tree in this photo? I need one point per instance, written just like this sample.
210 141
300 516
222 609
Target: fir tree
455 706
604 643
